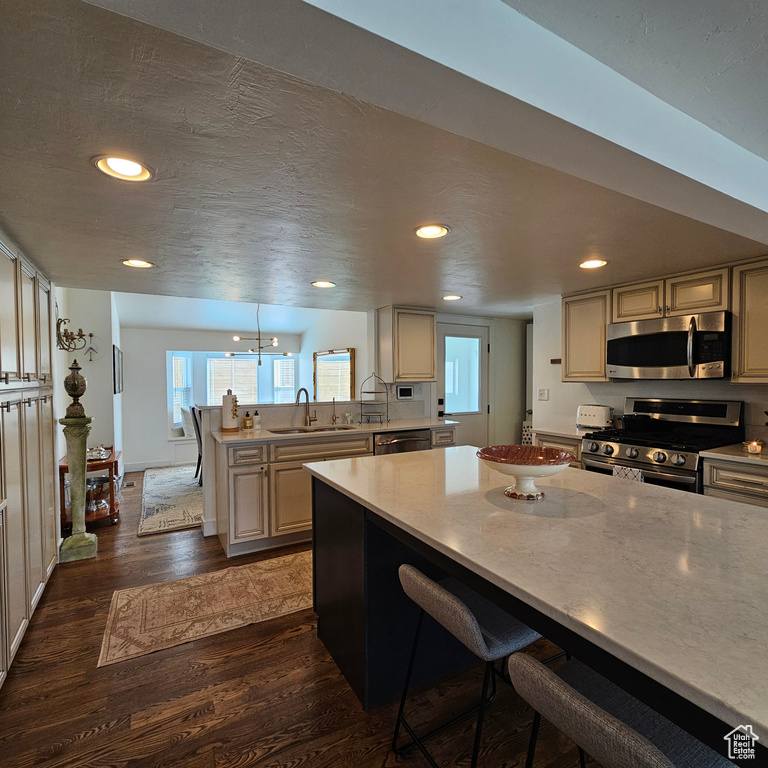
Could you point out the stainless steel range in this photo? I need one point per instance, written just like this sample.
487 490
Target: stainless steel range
663 437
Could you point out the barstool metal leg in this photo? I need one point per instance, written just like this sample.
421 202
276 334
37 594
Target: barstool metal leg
407 680
489 676
532 742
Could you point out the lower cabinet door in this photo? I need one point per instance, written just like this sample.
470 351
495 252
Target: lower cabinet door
291 491
247 503
3 633
36 569
47 488
16 606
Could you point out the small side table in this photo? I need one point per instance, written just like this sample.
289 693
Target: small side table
96 465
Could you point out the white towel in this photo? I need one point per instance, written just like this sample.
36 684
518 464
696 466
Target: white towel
628 473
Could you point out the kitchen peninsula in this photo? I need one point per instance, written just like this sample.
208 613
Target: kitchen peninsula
263 496
662 591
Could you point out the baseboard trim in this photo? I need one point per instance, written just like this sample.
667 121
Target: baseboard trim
142 465
209 528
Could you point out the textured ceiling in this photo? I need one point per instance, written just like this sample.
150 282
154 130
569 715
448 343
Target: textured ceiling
267 182
708 58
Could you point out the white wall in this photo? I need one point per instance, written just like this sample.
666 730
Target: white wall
91 311
338 330
146 428
558 414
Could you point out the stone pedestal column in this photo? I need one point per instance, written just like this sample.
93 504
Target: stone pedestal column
80 545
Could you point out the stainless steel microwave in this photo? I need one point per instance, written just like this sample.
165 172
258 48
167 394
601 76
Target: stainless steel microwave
683 347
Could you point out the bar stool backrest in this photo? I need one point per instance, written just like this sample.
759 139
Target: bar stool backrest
609 741
445 608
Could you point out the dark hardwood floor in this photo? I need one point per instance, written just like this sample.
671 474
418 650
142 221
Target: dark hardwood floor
266 695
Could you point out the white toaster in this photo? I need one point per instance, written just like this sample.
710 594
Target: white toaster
591 415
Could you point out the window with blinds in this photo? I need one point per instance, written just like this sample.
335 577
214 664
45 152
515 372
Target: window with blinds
181 394
284 386
236 373
332 374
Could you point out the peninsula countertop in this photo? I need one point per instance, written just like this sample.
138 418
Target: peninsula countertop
672 583
265 436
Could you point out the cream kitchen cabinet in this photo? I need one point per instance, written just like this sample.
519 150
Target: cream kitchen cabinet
291 498
28 322
407 344
264 496
442 438
750 321
10 360
3 627
681 295
12 490
561 442
585 321
44 329
738 481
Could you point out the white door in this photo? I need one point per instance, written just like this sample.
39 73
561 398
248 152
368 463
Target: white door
462 380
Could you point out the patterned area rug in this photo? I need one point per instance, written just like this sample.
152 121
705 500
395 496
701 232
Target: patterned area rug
147 619
172 500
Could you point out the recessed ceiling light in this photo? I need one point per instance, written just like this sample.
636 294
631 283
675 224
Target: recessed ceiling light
452 297
593 263
324 284
431 231
122 168
138 263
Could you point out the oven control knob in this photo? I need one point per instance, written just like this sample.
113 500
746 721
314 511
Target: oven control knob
660 456
633 453
608 450
593 447
678 459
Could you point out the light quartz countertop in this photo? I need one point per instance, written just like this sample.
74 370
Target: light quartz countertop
674 584
737 453
265 436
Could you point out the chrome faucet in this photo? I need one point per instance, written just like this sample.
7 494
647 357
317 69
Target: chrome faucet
307 418
334 417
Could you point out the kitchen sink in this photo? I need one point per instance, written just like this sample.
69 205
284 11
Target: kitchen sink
302 430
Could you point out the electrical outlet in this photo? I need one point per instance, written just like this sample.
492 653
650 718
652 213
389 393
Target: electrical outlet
543 394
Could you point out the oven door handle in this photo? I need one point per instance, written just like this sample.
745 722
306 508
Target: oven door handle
689 349
681 479
397 440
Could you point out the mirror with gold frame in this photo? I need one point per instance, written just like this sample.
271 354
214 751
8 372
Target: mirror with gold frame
334 374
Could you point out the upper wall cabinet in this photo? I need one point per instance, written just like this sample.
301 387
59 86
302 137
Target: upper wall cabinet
585 319
28 316
407 344
44 328
683 295
750 320
10 360
638 302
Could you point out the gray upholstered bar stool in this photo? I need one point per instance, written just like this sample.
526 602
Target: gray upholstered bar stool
612 726
490 633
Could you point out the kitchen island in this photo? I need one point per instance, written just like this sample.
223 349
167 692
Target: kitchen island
663 591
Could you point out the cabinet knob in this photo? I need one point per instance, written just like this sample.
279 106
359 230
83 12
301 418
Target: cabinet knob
5 377
669 309
658 309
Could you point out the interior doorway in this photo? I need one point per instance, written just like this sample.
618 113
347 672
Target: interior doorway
462 379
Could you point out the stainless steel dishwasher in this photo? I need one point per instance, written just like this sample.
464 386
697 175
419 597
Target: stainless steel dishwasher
401 442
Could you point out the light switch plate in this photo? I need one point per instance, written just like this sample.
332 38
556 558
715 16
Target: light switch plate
543 394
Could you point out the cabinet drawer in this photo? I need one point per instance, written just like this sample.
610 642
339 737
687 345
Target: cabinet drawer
247 454
445 436
320 448
737 477
562 444
744 498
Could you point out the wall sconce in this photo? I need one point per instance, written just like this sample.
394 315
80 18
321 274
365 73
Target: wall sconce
70 341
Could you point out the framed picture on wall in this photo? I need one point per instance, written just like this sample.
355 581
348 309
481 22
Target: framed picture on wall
117 369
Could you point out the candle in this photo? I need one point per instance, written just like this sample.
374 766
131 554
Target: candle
755 447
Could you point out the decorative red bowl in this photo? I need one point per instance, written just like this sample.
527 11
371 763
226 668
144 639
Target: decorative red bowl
524 463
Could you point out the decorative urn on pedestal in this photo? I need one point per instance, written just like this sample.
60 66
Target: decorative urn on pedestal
80 545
